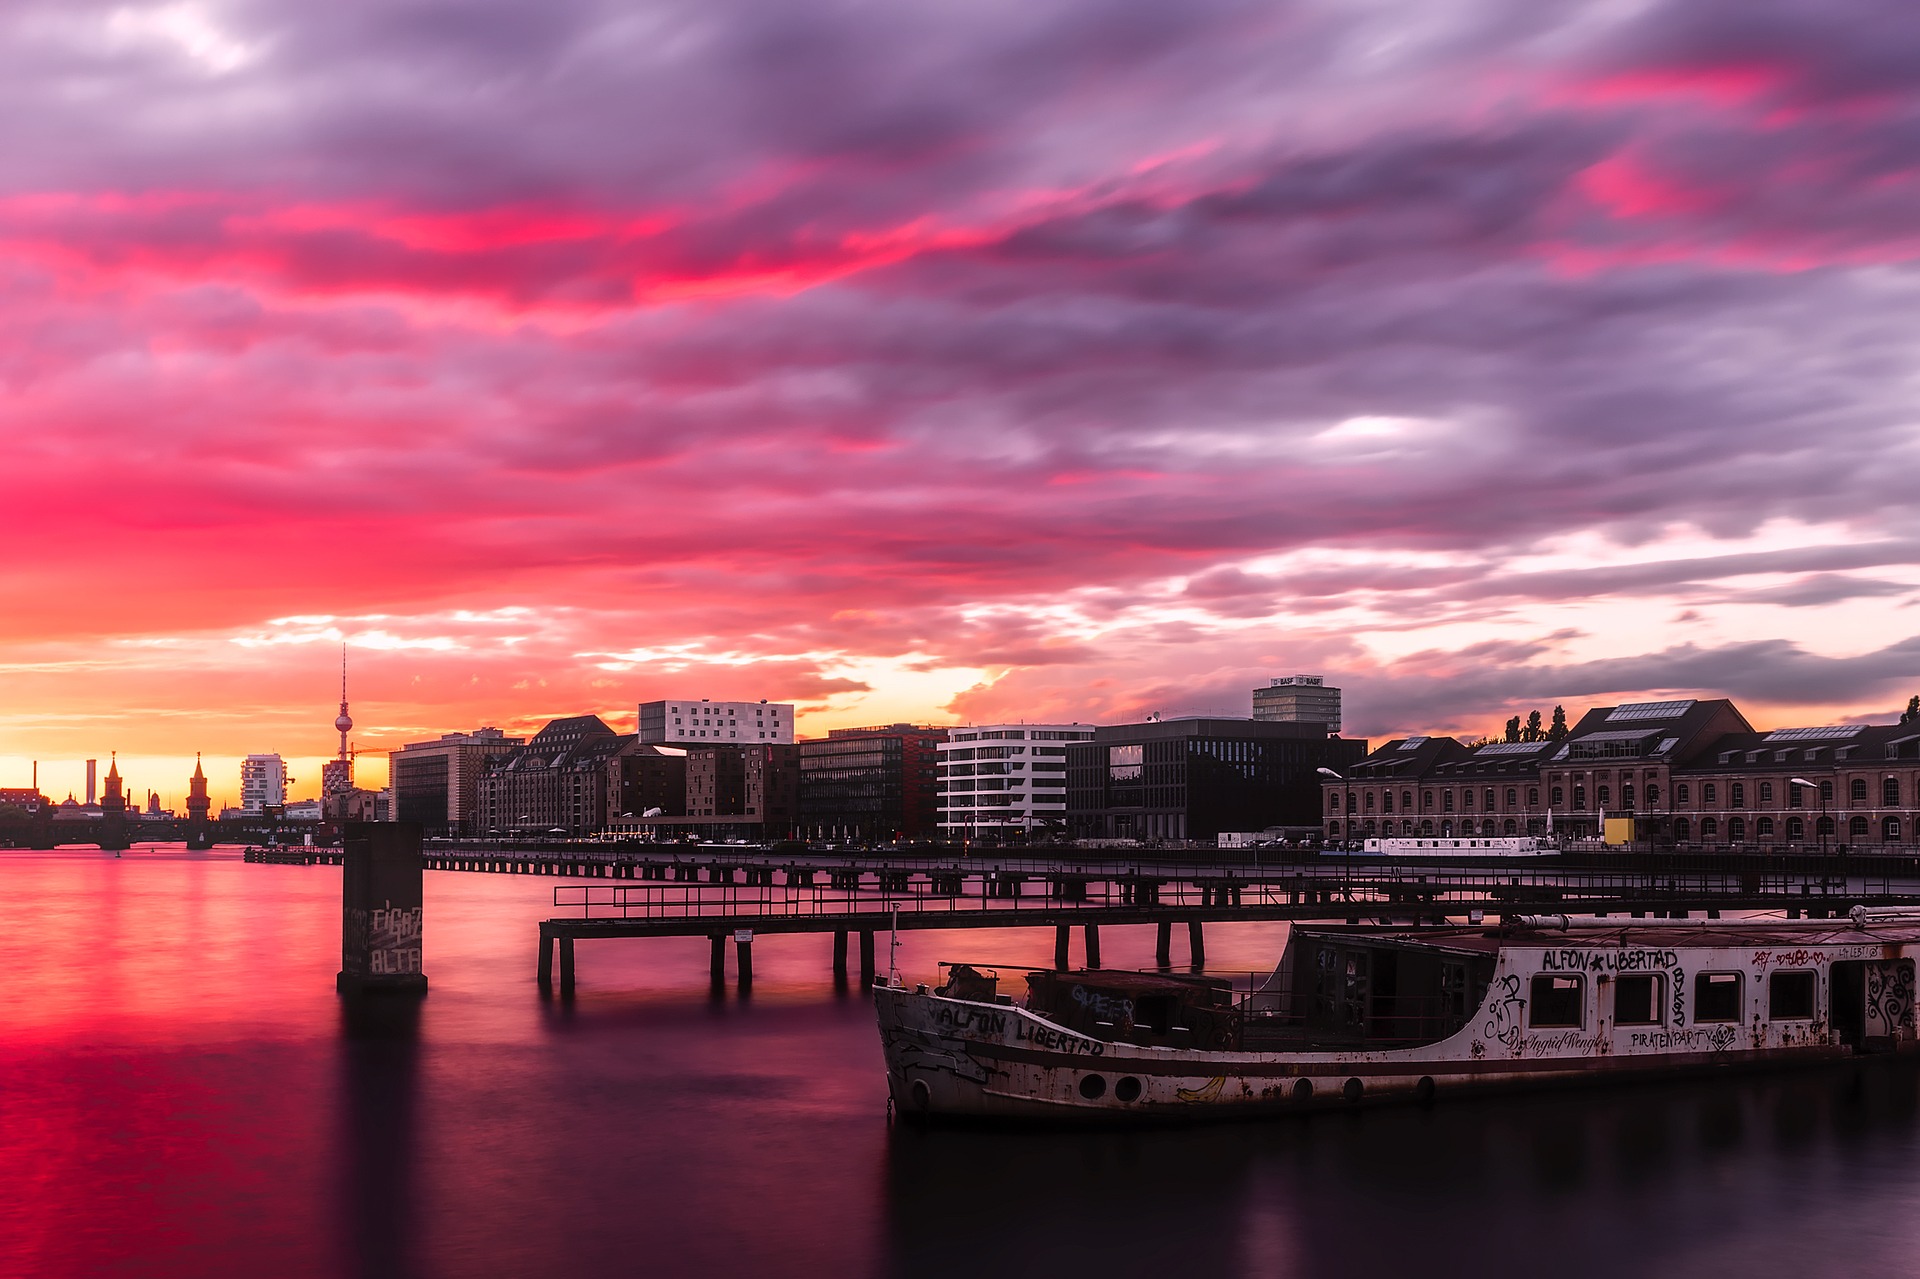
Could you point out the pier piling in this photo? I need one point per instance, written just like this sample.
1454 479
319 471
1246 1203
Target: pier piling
1061 934
1093 945
1196 943
743 951
840 953
866 958
1163 943
566 964
717 958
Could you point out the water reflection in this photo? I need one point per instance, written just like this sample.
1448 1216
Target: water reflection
1741 1175
379 1147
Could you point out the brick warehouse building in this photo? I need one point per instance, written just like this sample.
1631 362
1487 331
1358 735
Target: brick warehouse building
1691 774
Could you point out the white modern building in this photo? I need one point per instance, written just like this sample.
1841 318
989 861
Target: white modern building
1298 699
706 723
998 778
263 782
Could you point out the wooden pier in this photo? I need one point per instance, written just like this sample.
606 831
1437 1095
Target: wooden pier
740 913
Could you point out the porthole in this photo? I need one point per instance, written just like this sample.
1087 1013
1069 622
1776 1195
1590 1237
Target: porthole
1423 1091
922 1096
1093 1087
1303 1090
1128 1089
1354 1090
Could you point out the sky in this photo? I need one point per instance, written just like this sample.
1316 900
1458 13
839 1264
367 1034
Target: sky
946 362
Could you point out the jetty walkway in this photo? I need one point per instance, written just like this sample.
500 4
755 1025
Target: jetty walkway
859 902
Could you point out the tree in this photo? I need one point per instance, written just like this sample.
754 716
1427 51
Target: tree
1557 731
1532 732
1913 710
1513 729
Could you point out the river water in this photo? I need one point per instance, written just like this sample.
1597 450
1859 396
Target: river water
182 1093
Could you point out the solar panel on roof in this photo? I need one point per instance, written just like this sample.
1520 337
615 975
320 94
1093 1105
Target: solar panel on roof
1666 744
1649 710
1822 733
1510 748
1413 743
1617 735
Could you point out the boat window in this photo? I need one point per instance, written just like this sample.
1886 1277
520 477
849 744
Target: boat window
1716 997
1557 1001
1790 996
1637 1000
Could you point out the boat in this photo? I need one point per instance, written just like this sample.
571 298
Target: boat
1364 1014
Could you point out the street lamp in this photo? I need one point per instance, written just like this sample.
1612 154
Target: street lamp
1346 833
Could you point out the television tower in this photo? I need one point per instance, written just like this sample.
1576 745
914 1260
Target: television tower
344 721
336 777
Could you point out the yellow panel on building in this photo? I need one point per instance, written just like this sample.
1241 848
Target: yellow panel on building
1619 830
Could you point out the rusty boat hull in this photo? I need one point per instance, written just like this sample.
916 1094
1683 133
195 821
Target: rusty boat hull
1531 1004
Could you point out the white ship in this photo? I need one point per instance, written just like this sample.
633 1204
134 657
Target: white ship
1359 1015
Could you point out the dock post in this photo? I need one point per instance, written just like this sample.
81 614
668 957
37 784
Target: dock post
1093 945
840 953
381 917
717 957
1196 943
1163 943
1061 933
546 957
743 950
566 963
866 958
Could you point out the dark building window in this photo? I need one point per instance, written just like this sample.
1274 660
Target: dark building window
1826 791
1764 827
1426 799
1513 797
1709 827
1796 829
1716 997
1580 798
1857 828
1890 793
1490 798
1406 801
1559 796
1681 794
1653 794
1709 793
1890 830
1766 792
1737 829
1533 797
1681 830
1857 790
1794 797
1446 800
1606 796
1737 795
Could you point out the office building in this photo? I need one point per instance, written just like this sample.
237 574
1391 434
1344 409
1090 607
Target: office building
1190 779
263 783
1298 699
871 783
435 783
996 780
705 723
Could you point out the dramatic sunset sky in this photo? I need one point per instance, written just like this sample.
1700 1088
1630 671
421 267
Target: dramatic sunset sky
946 361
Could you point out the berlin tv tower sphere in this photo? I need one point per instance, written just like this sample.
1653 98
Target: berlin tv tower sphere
344 723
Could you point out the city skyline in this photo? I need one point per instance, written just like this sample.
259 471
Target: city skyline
946 365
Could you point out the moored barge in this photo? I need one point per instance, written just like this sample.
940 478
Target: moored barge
1356 1015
